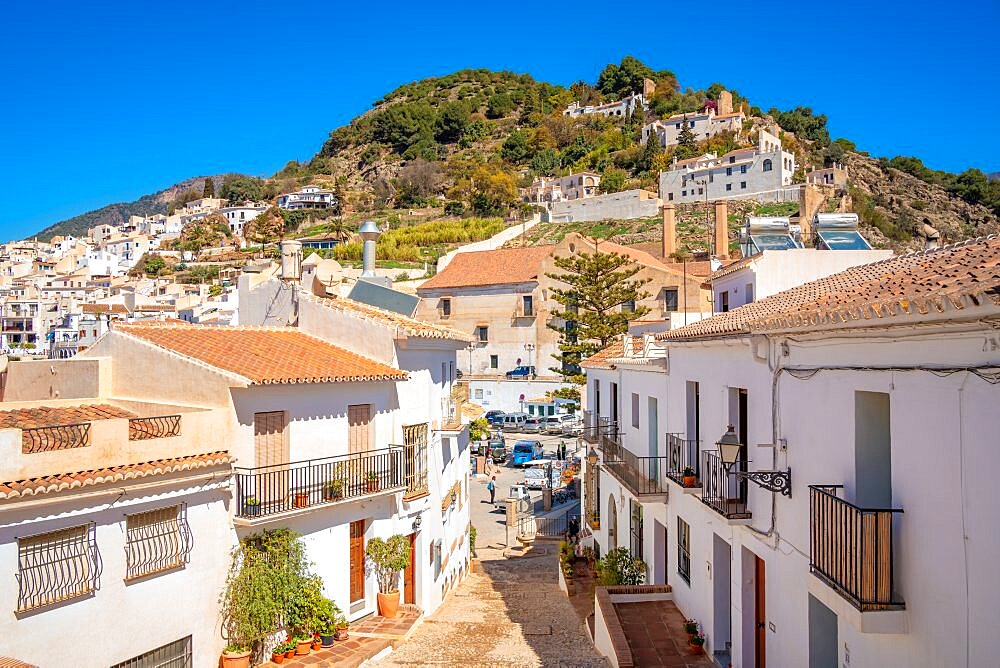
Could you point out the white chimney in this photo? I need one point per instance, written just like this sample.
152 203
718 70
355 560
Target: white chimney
291 261
370 233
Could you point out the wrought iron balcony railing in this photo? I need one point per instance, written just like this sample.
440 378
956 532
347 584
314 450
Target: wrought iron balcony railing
268 490
55 437
595 426
683 454
722 491
850 548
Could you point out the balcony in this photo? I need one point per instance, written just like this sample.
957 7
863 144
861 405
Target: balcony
55 437
141 429
682 454
523 311
850 549
643 476
722 491
595 426
269 490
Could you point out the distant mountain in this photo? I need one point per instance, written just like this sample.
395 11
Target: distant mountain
118 213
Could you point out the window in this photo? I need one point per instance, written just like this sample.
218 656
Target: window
56 566
483 333
670 197
415 447
172 655
270 438
494 361
628 307
677 125
445 307
359 428
528 305
701 191
729 171
743 169
635 528
684 193
711 177
635 410
768 165
743 185
729 186
748 292
732 159
156 540
479 394
670 299
724 301
684 550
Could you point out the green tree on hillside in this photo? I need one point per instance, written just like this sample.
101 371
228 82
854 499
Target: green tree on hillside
617 81
209 189
600 297
499 105
687 145
650 152
238 189
613 180
803 123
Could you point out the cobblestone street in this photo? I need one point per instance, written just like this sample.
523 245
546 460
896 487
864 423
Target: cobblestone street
511 613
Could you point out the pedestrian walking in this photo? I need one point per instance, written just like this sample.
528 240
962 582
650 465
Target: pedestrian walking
492 486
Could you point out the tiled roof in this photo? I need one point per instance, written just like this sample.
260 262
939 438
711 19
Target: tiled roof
409 326
44 416
731 268
63 481
264 355
601 359
104 308
495 267
155 307
942 280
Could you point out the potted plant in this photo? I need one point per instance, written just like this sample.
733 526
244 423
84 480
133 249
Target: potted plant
251 506
691 627
302 644
236 655
278 653
697 643
300 499
333 490
689 479
289 648
327 613
371 478
342 625
317 644
388 557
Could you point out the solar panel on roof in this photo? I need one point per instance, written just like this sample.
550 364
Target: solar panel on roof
772 241
843 240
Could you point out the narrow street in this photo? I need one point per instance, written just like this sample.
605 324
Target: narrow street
508 613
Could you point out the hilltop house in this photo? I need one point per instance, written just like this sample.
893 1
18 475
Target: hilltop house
704 124
635 103
546 189
238 216
307 197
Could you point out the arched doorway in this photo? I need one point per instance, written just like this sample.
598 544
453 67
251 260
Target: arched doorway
612 523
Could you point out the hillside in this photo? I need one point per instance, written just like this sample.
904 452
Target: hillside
118 213
467 141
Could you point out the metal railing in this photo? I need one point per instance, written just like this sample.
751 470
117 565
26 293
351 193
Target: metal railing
55 437
557 526
140 429
595 426
278 488
416 468
641 475
57 566
682 454
850 548
722 491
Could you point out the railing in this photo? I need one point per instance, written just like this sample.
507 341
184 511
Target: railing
595 426
140 429
683 454
611 447
278 488
416 468
641 475
850 548
561 525
722 491
55 437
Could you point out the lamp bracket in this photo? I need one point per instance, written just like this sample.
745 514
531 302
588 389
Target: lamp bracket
773 481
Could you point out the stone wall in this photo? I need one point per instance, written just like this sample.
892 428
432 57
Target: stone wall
620 206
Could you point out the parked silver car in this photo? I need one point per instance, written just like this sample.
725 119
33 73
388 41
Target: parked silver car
572 427
532 425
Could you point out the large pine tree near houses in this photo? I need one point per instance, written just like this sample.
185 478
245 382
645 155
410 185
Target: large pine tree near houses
600 296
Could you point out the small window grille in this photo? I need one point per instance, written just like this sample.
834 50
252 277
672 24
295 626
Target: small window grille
57 566
172 655
157 540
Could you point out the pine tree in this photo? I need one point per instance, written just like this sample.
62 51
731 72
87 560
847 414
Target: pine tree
598 286
649 152
209 190
687 144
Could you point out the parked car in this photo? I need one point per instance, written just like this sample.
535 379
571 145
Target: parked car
493 416
513 422
572 427
554 423
542 474
521 372
532 425
525 452
499 454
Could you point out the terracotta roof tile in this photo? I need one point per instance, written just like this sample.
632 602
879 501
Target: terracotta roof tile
409 326
44 416
63 481
104 308
264 355
601 359
731 268
495 267
930 282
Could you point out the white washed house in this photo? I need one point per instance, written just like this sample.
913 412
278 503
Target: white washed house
872 393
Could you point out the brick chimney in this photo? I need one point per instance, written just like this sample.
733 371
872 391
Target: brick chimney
721 230
669 231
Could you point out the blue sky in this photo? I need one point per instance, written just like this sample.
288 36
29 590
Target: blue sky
108 101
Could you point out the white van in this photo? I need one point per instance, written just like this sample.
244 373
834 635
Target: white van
513 422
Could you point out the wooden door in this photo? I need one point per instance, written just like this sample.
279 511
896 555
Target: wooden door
271 453
409 573
359 427
760 616
357 561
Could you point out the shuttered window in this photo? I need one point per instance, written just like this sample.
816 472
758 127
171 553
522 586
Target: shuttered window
270 438
359 427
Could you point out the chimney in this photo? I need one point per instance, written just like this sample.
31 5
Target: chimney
669 231
128 297
721 229
370 233
291 261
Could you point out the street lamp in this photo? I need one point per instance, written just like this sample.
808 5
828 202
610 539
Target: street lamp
592 458
530 347
729 451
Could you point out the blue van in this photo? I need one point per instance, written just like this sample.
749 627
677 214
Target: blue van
526 451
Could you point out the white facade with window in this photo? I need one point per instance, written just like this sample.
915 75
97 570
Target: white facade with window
308 197
238 216
703 124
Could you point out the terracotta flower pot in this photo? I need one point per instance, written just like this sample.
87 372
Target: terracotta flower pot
690 480
341 634
303 647
301 500
388 604
236 659
317 645
373 485
277 657
697 649
290 654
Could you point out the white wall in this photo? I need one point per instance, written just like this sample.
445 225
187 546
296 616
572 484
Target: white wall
505 395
